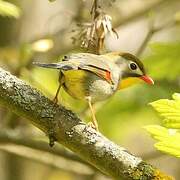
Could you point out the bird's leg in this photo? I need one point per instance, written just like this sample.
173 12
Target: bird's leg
55 100
94 123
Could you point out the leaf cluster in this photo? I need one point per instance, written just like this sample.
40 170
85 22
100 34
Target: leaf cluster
168 136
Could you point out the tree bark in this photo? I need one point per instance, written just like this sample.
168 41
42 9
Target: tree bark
64 126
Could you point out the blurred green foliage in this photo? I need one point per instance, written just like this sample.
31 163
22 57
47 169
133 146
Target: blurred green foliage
9 9
177 17
169 139
164 60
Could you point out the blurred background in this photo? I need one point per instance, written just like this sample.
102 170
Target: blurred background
40 30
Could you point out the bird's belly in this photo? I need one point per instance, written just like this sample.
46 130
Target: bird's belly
100 90
81 84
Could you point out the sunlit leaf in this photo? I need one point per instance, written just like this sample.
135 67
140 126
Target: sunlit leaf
169 139
170 110
8 9
170 147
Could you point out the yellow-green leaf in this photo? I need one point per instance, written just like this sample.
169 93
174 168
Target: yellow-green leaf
170 147
168 139
8 9
169 110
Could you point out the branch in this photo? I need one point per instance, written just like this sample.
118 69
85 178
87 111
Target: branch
70 131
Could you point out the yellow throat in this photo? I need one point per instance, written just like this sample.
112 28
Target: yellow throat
128 82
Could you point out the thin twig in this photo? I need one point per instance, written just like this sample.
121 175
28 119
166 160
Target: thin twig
151 32
11 136
48 159
94 8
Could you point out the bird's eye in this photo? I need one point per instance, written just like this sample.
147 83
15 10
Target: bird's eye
133 66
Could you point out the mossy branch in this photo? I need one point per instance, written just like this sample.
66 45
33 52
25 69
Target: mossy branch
64 126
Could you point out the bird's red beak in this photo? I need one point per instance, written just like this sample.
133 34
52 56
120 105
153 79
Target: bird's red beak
147 79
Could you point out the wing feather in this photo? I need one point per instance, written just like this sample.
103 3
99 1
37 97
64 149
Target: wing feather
93 63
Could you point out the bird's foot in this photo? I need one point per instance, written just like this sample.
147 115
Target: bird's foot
92 125
55 100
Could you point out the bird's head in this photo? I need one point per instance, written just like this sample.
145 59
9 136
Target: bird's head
132 70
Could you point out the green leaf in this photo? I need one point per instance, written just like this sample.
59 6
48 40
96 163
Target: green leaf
169 139
170 147
9 9
169 110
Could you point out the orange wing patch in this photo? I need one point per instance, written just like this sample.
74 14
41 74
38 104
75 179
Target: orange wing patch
108 76
103 73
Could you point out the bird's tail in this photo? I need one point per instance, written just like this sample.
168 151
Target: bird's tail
50 65
61 65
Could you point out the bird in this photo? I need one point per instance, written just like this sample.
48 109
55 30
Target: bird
91 77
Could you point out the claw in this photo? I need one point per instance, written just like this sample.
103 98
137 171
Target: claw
55 100
90 124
